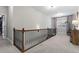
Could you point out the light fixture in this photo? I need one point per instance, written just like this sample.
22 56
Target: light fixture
76 22
49 7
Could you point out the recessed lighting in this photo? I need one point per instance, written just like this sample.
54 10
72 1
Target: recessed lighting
51 7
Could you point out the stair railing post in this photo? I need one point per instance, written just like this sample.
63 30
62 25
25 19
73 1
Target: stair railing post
13 36
23 40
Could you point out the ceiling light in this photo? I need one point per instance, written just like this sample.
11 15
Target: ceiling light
76 22
49 7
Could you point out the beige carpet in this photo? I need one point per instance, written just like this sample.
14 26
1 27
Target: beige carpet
57 44
6 47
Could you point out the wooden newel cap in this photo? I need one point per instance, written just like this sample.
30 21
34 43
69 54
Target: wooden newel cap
22 29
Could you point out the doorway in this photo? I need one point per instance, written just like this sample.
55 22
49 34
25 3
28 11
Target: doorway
61 25
1 25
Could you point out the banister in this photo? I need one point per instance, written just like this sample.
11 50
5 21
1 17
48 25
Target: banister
20 42
32 29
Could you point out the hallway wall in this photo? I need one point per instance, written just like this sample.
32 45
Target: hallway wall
10 26
53 23
70 19
26 17
29 17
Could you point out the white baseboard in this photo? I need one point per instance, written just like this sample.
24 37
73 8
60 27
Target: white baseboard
11 41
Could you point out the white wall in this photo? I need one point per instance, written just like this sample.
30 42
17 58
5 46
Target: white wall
10 27
26 17
53 23
3 10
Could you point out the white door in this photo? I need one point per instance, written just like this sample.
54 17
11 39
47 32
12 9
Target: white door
62 25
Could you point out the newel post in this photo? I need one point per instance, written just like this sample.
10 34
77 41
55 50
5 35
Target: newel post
14 36
22 39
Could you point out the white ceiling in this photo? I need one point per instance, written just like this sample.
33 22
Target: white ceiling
58 10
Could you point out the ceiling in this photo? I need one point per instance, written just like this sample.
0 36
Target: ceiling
57 10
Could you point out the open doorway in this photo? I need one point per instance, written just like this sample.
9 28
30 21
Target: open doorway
61 25
1 25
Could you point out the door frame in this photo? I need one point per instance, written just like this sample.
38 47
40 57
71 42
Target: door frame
4 26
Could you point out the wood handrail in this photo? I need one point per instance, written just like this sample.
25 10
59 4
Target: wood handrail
32 29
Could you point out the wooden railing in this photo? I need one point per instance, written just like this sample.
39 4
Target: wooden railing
26 39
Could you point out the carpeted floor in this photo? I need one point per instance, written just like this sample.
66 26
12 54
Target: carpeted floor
6 47
57 44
